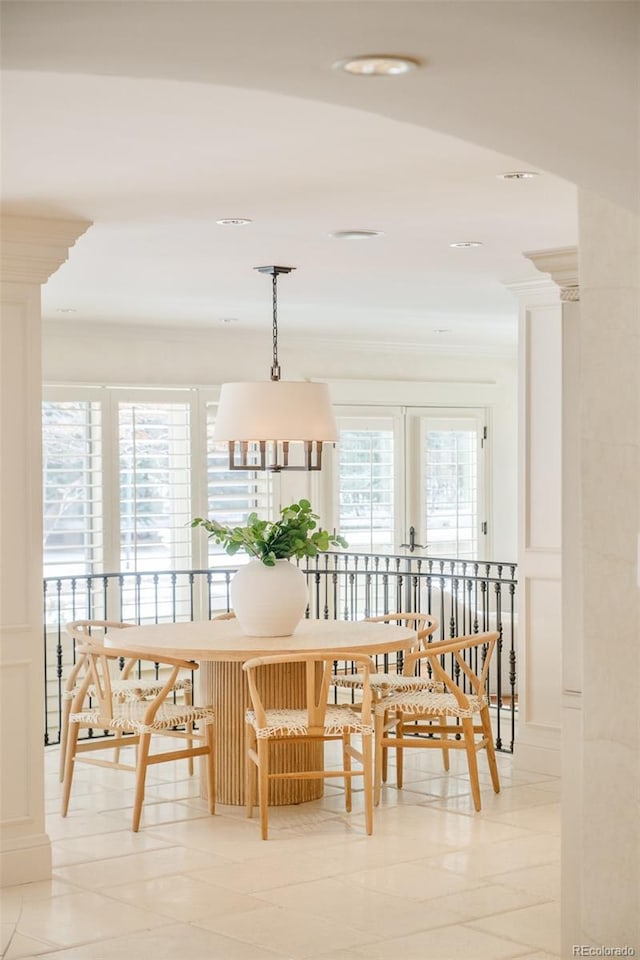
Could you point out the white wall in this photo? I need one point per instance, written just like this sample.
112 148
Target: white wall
390 374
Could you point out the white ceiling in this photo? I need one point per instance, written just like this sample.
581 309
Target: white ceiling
155 119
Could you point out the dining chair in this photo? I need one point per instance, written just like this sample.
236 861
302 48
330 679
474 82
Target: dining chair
142 719
418 718
125 686
318 721
424 625
384 684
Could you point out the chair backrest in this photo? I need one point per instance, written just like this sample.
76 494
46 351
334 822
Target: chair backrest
92 633
461 674
318 672
98 675
425 624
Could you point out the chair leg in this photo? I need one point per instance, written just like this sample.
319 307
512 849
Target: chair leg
346 766
490 748
64 730
118 736
367 762
379 752
399 732
210 735
69 763
188 699
444 737
250 770
263 785
472 760
141 774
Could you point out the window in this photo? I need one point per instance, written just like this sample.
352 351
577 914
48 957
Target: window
446 482
155 486
367 484
72 487
232 494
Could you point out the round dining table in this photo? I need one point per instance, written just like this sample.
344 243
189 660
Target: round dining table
220 648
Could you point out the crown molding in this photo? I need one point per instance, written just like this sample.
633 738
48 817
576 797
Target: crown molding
33 248
129 332
562 265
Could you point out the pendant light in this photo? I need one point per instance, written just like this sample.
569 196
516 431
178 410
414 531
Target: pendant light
274 424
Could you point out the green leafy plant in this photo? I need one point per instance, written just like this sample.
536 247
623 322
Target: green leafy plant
295 534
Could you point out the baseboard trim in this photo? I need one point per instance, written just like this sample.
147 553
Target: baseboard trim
27 861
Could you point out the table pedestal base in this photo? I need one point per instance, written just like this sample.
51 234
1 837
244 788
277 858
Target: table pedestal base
224 685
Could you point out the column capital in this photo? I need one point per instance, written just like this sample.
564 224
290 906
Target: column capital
33 247
561 264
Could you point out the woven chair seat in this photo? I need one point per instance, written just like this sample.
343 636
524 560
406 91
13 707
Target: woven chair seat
428 703
338 719
134 688
383 683
130 716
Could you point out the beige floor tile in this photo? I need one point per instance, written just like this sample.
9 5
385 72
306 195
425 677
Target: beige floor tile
489 860
142 866
537 926
266 873
543 880
544 818
512 798
445 943
285 931
345 903
173 942
107 845
540 955
194 887
77 918
23 948
12 898
416 880
183 898
485 900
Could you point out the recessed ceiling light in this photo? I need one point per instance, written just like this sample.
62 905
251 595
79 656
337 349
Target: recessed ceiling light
229 320
442 330
377 65
234 222
466 243
356 234
66 310
518 175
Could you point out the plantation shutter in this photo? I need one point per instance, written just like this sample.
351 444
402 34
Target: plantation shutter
366 483
232 495
72 487
155 485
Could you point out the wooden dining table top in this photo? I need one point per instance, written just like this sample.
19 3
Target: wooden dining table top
224 640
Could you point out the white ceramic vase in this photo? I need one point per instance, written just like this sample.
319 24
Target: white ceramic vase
269 601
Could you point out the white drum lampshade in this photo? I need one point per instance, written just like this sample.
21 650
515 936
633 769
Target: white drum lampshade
259 420
269 415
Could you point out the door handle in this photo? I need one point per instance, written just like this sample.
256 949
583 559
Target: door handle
412 541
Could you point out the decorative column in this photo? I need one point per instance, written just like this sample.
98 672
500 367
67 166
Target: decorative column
542 327
601 571
32 249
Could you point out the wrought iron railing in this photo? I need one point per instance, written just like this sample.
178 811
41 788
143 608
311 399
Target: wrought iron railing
466 597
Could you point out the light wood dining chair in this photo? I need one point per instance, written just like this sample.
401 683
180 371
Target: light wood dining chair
417 719
142 719
317 722
409 678
126 685
382 684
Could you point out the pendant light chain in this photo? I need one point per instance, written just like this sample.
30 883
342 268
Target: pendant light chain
275 367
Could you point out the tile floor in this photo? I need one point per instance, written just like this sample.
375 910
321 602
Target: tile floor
436 881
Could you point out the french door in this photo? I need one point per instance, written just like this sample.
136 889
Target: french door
446 502
412 479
